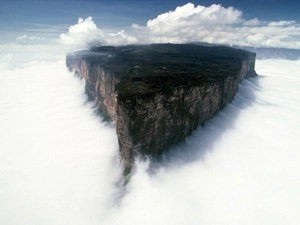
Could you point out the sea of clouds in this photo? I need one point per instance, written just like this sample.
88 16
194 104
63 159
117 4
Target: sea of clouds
59 161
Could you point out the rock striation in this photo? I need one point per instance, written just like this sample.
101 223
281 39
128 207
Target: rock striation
158 94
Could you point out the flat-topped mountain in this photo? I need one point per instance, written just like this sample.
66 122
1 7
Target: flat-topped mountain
158 94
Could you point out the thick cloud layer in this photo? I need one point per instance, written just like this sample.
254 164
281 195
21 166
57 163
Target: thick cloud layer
190 23
59 162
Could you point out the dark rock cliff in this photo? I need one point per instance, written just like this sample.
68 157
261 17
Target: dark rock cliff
158 94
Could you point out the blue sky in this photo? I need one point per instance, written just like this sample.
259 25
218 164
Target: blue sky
22 13
46 18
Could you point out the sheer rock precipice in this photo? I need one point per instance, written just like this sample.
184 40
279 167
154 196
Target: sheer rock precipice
158 94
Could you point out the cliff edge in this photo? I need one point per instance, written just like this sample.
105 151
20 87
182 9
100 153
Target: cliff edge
158 94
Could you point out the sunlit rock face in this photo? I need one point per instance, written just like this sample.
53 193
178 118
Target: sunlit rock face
158 94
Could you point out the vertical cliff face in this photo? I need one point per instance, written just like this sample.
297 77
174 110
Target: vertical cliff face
99 83
158 94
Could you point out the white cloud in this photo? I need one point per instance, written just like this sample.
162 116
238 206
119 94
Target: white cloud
282 23
216 24
27 51
33 40
26 37
57 163
252 22
54 151
85 34
193 23
189 15
190 23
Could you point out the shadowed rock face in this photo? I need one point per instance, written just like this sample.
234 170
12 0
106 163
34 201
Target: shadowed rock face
158 94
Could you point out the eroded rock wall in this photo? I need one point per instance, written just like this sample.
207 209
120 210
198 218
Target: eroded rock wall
99 83
150 124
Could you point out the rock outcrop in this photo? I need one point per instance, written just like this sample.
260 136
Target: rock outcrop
158 94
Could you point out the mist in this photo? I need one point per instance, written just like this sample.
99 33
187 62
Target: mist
59 161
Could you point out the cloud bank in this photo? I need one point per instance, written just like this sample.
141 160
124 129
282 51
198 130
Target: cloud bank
59 164
190 23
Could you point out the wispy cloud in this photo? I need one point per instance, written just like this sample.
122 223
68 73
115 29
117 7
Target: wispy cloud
26 37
